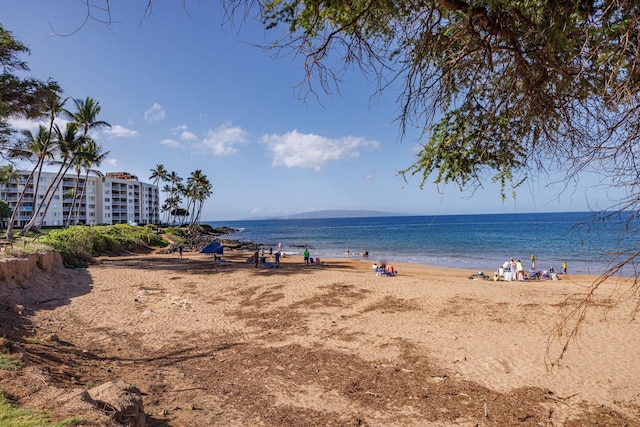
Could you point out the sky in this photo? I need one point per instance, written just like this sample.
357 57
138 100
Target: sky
185 88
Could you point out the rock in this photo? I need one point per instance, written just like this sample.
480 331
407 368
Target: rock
197 237
18 309
122 400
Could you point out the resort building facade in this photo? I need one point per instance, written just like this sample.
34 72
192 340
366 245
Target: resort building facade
118 199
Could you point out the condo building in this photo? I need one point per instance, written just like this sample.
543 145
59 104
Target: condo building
118 199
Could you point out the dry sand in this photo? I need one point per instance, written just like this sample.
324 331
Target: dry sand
228 344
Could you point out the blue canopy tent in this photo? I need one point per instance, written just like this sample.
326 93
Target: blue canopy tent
213 248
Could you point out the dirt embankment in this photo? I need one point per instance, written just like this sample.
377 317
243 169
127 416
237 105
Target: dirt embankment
26 272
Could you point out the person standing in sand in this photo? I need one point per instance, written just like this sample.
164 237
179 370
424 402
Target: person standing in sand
533 261
256 257
564 267
519 271
306 256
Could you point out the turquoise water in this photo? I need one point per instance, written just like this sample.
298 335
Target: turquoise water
478 242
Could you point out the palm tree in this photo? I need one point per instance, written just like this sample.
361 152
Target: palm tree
68 144
158 174
86 114
166 190
40 146
199 190
205 191
89 155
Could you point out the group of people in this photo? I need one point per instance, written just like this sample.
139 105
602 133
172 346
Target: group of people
259 258
514 269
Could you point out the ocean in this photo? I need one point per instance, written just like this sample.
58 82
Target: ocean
477 242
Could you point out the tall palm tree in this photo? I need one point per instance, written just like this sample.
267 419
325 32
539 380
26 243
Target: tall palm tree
86 114
40 146
68 144
199 190
167 191
89 155
204 192
158 174
85 117
94 156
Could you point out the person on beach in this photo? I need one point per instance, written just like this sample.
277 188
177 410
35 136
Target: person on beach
533 261
306 256
564 267
519 271
180 249
277 257
256 257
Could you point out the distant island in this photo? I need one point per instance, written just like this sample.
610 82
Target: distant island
322 214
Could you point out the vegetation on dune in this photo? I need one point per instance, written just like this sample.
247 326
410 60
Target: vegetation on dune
80 244
9 363
11 416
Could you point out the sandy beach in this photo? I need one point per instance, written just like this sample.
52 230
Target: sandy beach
224 343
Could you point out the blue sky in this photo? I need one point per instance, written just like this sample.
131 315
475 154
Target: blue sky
184 89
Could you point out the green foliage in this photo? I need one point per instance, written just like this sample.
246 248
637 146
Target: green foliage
80 244
499 89
174 234
5 210
11 416
9 363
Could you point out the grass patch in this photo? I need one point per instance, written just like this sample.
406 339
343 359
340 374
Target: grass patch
12 416
9 363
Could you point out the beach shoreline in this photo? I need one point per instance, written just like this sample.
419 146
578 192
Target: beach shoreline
334 344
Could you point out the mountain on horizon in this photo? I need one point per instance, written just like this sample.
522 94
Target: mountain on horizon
337 213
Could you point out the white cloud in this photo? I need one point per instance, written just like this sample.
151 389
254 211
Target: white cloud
110 162
172 143
118 131
309 151
188 136
32 125
155 113
223 140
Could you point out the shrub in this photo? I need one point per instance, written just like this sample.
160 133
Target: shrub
79 244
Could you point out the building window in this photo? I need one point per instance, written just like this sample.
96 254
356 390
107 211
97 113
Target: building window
92 214
91 190
56 197
107 208
43 179
92 198
107 199
107 191
92 206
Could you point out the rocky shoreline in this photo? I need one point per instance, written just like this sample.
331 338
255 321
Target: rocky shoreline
196 238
